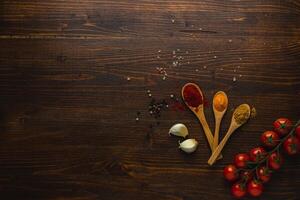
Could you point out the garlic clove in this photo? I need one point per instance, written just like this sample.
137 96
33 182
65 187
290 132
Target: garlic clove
188 146
179 130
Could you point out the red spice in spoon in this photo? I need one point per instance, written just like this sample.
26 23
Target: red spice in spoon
192 96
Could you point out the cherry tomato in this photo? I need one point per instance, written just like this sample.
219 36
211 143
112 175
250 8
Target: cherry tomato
230 173
275 161
246 176
257 154
264 174
238 190
255 188
298 132
269 139
282 126
291 145
241 159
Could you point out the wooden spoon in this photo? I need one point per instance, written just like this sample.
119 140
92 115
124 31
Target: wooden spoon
218 116
233 126
199 112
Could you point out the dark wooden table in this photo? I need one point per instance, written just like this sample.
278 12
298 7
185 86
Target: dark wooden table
68 112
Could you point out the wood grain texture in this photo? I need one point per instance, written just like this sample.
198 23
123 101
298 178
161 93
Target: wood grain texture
67 112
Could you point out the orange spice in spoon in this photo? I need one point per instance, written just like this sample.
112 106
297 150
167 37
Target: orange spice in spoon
220 102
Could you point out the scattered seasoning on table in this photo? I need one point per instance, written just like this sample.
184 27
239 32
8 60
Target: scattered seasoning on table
253 113
175 63
137 118
192 96
177 106
155 107
162 71
205 102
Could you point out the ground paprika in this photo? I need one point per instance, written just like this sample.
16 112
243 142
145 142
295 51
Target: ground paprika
192 96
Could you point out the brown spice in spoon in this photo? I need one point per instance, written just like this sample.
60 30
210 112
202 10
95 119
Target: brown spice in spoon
241 114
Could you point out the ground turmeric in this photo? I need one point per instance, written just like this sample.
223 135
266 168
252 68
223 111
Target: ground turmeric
220 102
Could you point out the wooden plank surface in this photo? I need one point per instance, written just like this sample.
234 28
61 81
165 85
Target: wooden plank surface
68 128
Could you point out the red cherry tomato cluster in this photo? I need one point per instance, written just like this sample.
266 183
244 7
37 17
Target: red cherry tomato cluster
252 170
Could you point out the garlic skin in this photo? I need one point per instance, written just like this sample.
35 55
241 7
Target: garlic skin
188 146
179 130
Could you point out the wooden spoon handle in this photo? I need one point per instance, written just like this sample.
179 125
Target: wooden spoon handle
206 128
220 147
216 135
208 134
